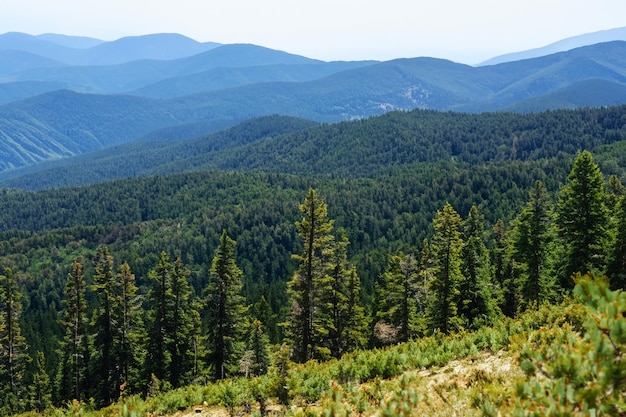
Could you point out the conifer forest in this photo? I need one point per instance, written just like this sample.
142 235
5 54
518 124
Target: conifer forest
330 269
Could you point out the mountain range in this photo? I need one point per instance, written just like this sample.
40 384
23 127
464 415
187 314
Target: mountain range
64 96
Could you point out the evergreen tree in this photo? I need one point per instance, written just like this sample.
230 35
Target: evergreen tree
105 363
476 303
356 322
446 246
73 376
256 359
41 397
13 349
160 299
504 273
616 269
129 330
582 219
339 303
305 327
396 297
182 326
226 307
531 239
615 190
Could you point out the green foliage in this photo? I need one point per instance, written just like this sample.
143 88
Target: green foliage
446 247
478 292
578 374
13 348
532 235
73 379
308 324
582 219
396 300
227 311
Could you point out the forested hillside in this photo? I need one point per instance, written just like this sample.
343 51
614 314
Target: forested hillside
384 145
320 239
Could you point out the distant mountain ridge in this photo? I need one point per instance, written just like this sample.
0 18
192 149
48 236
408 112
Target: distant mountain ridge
52 111
72 50
562 45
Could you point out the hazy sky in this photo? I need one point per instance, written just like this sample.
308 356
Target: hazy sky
467 31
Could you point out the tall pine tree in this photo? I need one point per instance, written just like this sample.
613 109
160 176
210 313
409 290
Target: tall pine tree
13 349
446 246
477 304
582 220
182 326
227 311
129 331
305 327
158 359
531 239
73 380
105 366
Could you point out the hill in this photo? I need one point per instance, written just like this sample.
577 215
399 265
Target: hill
617 34
73 50
365 148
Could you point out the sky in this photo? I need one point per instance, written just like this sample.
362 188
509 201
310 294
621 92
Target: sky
466 31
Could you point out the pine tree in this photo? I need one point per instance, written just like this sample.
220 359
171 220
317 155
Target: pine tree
446 247
256 360
160 299
355 322
616 269
504 270
396 298
304 327
339 303
13 348
129 330
41 397
105 363
182 326
226 307
531 239
73 376
476 303
582 219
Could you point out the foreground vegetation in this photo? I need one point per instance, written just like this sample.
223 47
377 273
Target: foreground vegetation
563 359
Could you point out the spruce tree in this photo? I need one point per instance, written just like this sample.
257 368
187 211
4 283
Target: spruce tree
582 220
160 300
256 359
182 326
105 363
531 239
356 321
304 327
340 302
227 311
41 392
616 269
129 331
504 274
13 348
73 376
476 305
446 246
396 299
